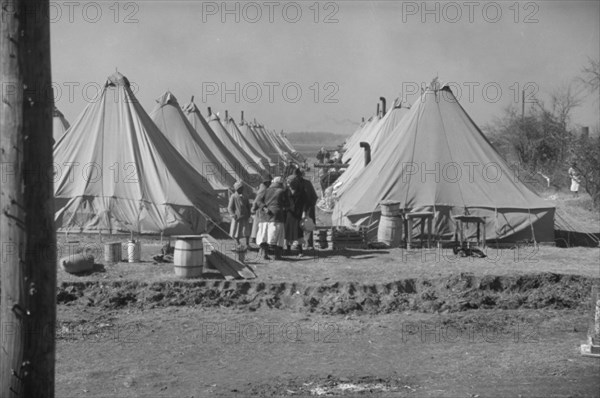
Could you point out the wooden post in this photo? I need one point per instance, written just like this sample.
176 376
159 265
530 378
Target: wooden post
27 234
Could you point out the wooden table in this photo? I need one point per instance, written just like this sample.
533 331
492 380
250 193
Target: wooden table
425 217
462 223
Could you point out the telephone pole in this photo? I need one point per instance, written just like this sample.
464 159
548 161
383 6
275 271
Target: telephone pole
27 234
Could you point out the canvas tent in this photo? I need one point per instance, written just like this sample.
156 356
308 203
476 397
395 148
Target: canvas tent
250 136
59 125
225 155
377 137
438 160
176 127
353 149
252 170
266 144
118 172
235 133
287 147
293 150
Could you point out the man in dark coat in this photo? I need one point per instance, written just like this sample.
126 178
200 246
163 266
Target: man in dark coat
310 198
295 213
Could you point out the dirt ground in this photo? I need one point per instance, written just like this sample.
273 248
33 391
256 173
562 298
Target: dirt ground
369 323
355 322
195 352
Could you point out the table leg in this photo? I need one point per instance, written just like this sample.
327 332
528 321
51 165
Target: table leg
483 244
429 222
409 234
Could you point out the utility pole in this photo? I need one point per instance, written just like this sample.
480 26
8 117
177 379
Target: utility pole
27 234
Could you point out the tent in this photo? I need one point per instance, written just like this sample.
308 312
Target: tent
235 133
250 136
176 127
59 126
270 138
265 143
253 170
118 172
222 152
290 147
375 137
287 147
353 149
438 160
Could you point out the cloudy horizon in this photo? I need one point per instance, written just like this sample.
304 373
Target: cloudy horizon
306 66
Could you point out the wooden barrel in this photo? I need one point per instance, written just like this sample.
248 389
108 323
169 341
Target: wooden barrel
390 208
188 256
390 231
113 252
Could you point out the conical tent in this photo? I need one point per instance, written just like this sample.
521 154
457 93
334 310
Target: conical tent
438 160
59 125
118 172
353 149
376 138
272 141
288 145
250 136
353 136
253 171
176 127
265 143
238 137
223 153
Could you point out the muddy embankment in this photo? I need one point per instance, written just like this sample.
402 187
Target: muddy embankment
449 294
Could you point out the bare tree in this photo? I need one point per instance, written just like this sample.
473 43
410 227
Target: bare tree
591 76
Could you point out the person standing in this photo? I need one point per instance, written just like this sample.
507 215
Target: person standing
273 204
321 155
575 176
239 210
311 198
295 213
257 216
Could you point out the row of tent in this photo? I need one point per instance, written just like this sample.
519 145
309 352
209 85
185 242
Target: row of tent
170 171
432 157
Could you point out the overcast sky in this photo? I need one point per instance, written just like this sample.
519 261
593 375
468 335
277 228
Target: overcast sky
323 65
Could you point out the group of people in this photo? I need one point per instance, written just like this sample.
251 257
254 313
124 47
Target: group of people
279 212
324 156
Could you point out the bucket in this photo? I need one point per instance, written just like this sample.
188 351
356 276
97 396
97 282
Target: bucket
390 208
390 231
188 256
133 251
113 252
